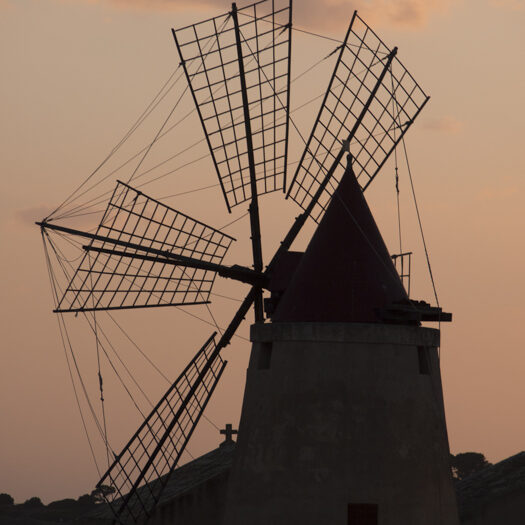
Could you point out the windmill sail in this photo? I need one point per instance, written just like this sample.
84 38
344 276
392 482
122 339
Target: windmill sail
212 60
392 110
107 279
141 471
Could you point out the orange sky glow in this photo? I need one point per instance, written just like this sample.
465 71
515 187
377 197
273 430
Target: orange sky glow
77 73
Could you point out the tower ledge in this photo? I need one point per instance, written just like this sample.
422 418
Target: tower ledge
367 333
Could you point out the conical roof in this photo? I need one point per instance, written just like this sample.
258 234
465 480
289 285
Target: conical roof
346 273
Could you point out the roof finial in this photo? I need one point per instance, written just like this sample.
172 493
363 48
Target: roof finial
228 432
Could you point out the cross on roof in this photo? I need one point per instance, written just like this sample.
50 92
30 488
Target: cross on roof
228 432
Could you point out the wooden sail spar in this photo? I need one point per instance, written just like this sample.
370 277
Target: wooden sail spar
107 279
389 111
235 130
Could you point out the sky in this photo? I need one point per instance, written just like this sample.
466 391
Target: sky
77 73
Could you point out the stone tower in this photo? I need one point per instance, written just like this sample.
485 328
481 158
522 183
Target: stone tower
343 419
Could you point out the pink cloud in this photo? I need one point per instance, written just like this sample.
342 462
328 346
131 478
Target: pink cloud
319 14
443 124
334 14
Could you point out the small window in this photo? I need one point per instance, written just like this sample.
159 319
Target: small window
423 358
265 356
362 514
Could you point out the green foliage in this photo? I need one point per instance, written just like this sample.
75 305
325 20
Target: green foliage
6 500
101 492
62 503
33 503
86 499
466 463
66 510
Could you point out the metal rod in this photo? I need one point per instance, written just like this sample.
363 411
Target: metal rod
254 205
288 94
409 271
109 308
239 273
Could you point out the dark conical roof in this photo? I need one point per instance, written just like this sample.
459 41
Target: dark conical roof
346 273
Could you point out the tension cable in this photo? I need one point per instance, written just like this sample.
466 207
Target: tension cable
62 338
99 371
151 106
420 223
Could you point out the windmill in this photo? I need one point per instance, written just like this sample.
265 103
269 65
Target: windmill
146 254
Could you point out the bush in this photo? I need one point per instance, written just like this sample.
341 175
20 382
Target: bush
33 503
467 463
62 503
100 492
6 500
86 499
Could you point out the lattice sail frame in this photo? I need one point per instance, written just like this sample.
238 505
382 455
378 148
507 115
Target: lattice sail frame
105 281
141 471
395 106
210 58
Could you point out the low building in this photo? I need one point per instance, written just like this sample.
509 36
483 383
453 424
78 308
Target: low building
195 493
494 495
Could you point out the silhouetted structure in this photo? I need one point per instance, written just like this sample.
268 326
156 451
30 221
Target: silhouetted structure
343 418
494 495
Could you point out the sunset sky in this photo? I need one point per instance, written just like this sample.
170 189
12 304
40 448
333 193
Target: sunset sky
75 76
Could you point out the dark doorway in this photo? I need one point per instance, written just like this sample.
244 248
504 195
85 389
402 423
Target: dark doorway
362 514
